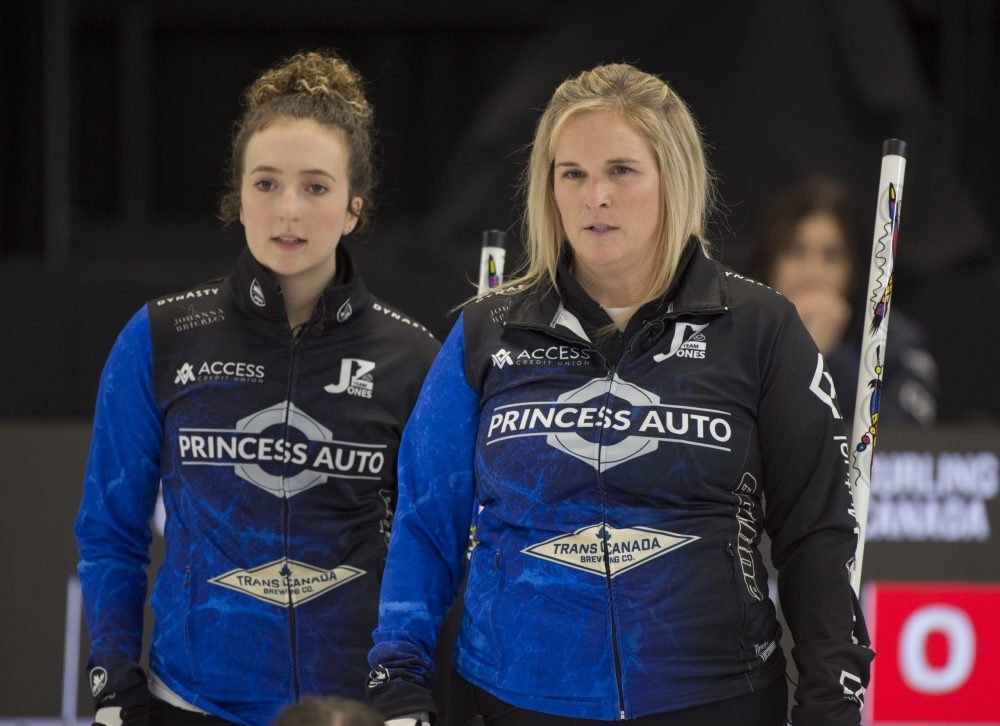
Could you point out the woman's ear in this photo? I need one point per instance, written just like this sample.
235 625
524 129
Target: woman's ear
353 214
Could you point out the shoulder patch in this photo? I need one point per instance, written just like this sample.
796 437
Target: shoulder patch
385 311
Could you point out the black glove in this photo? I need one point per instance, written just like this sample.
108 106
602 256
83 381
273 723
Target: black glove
123 701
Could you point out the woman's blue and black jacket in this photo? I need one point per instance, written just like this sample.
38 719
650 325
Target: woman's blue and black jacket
277 456
621 487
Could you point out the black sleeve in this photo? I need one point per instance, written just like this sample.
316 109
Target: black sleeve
811 521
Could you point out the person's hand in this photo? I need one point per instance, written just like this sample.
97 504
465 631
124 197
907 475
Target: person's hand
108 716
410 719
129 708
826 315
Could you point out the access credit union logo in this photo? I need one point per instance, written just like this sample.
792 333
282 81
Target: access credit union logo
938 647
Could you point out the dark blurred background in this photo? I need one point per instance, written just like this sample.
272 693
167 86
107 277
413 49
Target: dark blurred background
116 117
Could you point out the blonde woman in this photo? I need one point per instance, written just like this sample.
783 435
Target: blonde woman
625 419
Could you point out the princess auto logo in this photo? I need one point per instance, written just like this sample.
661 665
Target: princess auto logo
606 423
587 548
282 450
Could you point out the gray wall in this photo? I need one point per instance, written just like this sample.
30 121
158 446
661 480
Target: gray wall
42 475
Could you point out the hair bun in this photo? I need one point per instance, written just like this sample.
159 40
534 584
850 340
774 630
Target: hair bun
311 74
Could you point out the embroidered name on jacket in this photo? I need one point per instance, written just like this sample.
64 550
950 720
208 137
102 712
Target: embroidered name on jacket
625 548
605 423
282 450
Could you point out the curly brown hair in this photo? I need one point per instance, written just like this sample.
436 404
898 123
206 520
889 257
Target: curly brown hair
317 85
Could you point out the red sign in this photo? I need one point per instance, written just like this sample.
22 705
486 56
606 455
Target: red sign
937 652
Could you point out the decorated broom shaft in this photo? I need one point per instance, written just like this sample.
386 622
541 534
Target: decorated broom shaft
491 259
877 305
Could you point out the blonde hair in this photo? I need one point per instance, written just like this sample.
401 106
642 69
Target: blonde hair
320 86
662 118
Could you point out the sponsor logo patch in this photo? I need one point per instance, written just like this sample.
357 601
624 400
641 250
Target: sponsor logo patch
392 314
624 549
764 650
191 295
355 378
287 582
606 423
502 358
236 371
257 294
822 386
560 355
378 677
688 341
748 530
185 374
98 680
853 689
282 450
194 318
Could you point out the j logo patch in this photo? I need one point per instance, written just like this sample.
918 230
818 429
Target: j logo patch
355 378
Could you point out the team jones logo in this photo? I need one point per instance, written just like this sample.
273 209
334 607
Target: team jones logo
688 342
355 378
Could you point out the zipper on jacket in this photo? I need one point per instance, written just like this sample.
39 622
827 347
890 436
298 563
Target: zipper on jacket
286 519
612 367
188 627
607 570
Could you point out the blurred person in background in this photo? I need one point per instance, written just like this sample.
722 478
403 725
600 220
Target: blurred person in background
812 248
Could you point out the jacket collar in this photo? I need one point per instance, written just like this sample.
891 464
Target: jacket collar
257 292
699 288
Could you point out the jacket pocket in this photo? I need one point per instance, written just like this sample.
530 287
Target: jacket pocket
190 627
483 605
738 594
